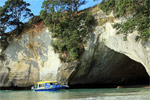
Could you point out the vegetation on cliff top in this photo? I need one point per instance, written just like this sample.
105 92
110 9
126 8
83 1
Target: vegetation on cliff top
69 28
12 16
140 11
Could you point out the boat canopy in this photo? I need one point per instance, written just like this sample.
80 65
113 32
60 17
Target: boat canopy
47 82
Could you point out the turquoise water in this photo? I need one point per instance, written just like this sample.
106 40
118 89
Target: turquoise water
79 94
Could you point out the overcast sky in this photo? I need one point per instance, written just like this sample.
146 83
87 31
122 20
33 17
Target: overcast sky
36 5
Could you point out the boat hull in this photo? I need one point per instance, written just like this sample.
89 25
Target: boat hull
47 86
54 88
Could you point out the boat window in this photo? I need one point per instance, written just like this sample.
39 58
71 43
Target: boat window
41 85
48 83
56 83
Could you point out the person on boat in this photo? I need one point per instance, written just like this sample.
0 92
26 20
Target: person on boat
35 85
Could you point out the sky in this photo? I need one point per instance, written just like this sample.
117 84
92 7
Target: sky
35 5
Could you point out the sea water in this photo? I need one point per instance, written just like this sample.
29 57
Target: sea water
79 94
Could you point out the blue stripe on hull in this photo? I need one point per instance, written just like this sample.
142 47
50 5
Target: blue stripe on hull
50 88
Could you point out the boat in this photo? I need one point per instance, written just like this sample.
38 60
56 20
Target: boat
48 86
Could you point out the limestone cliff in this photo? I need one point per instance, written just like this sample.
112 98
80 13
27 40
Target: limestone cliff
29 58
107 60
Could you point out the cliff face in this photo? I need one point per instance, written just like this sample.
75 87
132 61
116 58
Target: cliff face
107 60
29 58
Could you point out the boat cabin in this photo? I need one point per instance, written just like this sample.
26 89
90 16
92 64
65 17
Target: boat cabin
45 84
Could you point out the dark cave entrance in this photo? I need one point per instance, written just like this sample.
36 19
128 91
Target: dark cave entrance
101 72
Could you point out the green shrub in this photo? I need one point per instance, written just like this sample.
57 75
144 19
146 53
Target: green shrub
69 27
140 11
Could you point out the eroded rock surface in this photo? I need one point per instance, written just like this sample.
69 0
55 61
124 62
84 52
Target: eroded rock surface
29 58
109 59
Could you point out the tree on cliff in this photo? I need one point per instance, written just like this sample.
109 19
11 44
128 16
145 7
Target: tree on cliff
16 11
2 29
3 20
69 27
12 16
54 10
